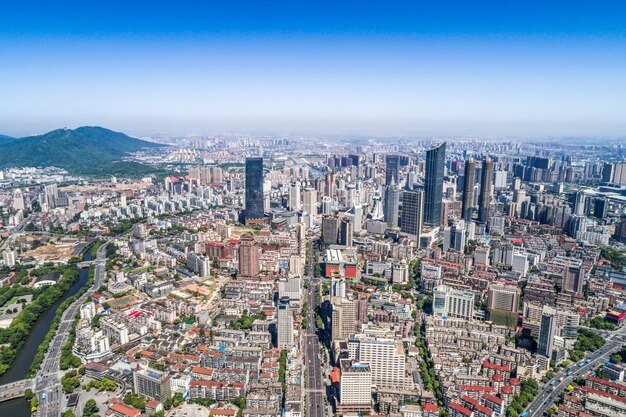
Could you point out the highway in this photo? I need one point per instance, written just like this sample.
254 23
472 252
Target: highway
315 388
549 393
48 379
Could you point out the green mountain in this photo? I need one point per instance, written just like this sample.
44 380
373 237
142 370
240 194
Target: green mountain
86 150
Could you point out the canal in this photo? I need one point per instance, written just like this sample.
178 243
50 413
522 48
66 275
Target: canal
24 358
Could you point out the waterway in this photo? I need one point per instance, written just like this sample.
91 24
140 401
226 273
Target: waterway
19 370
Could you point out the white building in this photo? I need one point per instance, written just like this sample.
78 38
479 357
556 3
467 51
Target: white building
385 356
450 302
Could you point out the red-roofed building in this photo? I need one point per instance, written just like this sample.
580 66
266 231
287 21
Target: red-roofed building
493 403
123 410
457 410
430 410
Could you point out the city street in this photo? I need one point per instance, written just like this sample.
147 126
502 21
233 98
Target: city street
549 393
48 379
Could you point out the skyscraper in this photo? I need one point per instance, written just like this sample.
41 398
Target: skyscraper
310 201
294 196
392 169
435 160
392 204
468 189
248 257
547 330
486 181
412 212
254 189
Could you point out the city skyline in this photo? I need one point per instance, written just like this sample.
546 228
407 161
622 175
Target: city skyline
531 70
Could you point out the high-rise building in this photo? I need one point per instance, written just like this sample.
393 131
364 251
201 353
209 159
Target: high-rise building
343 318
310 201
435 165
51 195
573 280
392 169
469 181
330 184
8 257
152 384
486 182
454 237
503 297
284 326
601 208
412 212
254 189
392 205
355 387
330 229
385 356
294 196
18 200
450 302
345 232
547 330
248 257
579 203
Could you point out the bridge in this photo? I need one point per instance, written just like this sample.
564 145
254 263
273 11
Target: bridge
84 264
15 389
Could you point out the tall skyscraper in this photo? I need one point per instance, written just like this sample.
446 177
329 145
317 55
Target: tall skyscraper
392 205
294 196
435 164
468 189
392 169
547 330
284 326
345 232
486 181
412 212
248 257
330 184
343 321
254 189
310 201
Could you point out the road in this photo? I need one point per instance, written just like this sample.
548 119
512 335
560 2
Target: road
549 393
48 379
315 388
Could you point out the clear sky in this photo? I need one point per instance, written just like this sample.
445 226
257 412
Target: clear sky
528 68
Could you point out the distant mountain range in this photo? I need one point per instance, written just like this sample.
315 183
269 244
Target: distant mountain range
86 150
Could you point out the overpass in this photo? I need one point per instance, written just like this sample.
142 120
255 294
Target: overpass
15 389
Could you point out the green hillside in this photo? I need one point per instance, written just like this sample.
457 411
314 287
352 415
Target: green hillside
86 151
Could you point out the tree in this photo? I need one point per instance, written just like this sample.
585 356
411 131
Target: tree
90 408
28 394
108 385
68 413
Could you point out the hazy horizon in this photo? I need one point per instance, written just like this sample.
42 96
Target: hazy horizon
405 69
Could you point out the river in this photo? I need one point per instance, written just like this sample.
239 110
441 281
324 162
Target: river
24 358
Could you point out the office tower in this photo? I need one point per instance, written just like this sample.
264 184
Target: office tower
454 237
345 232
580 200
450 302
385 356
327 205
486 181
573 280
392 205
254 189
435 165
343 318
330 184
330 229
412 212
18 200
294 196
601 208
547 330
519 263
8 257
502 254
357 212
284 326
355 388
503 297
500 180
51 195
248 257
469 181
392 169
152 384
310 201
400 272
350 195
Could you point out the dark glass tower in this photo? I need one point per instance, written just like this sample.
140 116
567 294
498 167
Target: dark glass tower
254 189
435 163
486 182
392 169
468 189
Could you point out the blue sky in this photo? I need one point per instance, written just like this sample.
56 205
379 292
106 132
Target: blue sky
389 68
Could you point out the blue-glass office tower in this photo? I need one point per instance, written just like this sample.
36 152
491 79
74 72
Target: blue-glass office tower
254 189
433 184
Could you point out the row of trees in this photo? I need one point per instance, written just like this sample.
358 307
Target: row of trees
520 401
